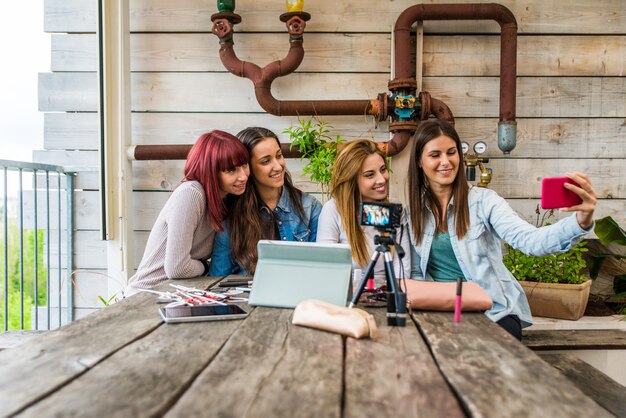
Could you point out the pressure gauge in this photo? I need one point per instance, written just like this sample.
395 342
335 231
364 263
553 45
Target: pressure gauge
464 147
480 147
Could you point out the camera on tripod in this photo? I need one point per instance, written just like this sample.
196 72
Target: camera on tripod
383 216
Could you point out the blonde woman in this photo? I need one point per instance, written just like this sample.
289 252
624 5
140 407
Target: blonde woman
360 174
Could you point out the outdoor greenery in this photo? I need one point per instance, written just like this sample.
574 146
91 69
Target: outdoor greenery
14 276
553 268
312 137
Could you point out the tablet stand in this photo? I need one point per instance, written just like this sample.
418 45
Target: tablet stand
396 299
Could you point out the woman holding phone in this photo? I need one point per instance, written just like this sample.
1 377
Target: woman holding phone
456 229
360 174
181 240
271 208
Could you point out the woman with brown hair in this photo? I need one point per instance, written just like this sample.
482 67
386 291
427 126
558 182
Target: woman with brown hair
456 229
360 174
271 208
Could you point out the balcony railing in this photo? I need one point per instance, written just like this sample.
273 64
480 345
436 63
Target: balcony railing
37 232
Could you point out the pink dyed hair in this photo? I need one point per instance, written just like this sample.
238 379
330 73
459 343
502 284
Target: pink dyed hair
213 152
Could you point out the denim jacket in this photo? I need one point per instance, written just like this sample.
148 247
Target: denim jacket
479 253
290 228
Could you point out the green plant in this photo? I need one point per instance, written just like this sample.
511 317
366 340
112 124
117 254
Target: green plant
609 232
108 302
312 137
552 268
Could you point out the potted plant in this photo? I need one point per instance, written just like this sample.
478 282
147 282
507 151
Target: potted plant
612 249
312 137
554 284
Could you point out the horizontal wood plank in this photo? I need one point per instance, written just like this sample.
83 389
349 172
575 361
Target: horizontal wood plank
469 55
70 352
536 138
10 339
160 369
399 370
185 52
483 352
269 356
575 339
466 96
600 387
90 260
71 161
533 16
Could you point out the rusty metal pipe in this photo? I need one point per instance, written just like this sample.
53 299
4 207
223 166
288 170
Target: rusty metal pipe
263 78
158 152
179 152
508 52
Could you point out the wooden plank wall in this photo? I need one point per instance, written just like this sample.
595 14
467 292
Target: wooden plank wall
571 101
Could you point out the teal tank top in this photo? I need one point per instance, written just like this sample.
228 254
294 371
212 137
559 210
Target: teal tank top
442 263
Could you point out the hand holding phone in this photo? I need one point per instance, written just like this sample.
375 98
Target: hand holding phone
554 195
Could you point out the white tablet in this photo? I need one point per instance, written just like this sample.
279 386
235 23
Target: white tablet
202 313
289 272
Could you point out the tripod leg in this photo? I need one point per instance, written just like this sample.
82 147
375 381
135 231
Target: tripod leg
396 307
366 275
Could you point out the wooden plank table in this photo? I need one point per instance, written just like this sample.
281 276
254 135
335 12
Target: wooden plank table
123 361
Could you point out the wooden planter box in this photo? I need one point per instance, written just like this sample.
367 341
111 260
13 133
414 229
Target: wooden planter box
556 300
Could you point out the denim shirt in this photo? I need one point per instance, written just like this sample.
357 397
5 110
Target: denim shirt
290 228
479 253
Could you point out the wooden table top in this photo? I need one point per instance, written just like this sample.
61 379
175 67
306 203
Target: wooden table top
124 361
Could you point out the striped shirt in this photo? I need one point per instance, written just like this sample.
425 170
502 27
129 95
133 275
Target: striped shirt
181 236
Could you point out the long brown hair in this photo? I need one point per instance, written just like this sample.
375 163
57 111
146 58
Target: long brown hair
420 194
213 152
246 225
345 191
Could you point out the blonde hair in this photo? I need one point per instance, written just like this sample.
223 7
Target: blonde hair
345 191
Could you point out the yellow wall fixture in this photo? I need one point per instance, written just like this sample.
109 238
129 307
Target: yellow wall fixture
295 5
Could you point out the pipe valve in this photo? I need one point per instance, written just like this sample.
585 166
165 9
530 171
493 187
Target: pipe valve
295 26
404 106
473 160
222 27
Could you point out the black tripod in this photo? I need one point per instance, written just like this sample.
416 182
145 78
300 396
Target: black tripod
396 299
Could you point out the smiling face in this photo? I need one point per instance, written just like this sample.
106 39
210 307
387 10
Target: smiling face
440 161
268 164
373 178
234 181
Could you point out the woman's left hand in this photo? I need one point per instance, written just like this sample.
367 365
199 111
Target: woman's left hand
584 211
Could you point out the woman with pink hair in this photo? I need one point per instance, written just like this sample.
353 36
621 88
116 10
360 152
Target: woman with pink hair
181 240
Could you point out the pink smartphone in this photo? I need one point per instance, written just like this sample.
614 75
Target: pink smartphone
554 195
